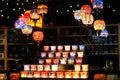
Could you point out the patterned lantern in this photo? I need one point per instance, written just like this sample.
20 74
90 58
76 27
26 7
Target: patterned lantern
92 1
104 33
18 24
77 14
97 4
27 13
42 9
24 18
99 25
26 29
86 9
87 19
34 14
38 35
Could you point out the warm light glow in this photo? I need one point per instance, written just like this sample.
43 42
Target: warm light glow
42 9
86 9
38 35
26 29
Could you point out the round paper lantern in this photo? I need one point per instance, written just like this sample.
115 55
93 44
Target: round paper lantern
34 14
42 9
99 25
26 29
92 1
77 14
87 19
18 24
38 35
86 9
97 4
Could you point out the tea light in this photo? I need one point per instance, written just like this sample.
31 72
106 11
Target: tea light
65 54
67 47
47 67
68 74
44 74
72 54
84 67
60 47
77 67
51 54
53 48
81 47
63 61
43 54
30 74
83 75
23 74
78 60
46 48
74 47
41 61
26 67
76 74
80 54
70 61
52 75
54 67
40 67
48 61
58 54
55 61
60 74
33 67
36 74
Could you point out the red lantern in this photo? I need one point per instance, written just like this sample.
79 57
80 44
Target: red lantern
99 25
42 8
87 19
38 35
27 13
86 9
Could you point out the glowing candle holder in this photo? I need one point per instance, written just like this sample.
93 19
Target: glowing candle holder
51 54
41 61
36 74
63 61
52 74
74 47
54 67
55 61
48 61
60 47
76 74
46 48
53 48
58 54
23 74
47 67
43 54
27 67
72 53
70 61
60 74
68 74
40 67
67 47
33 67
84 67
44 74
78 60
77 67
80 54
65 54
83 75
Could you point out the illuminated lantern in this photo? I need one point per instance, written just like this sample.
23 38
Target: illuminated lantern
26 29
27 13
34 15
38 35
86 9
24 18
97 4
87 19
99 76
14 76
92 1
77 15
18 24
99 25
42 9
104 33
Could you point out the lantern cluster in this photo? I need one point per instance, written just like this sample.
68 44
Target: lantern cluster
32 18
97 4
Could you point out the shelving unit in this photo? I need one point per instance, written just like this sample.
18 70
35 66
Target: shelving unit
14 40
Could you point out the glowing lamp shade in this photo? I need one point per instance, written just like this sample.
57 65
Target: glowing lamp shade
34 14
42 9
86 9
97 4
18 24
26 29
87 19
77 14
99 25
38 35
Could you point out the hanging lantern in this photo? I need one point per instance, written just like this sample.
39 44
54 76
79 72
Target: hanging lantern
26 29
77 15
24 18
18 24
92 1
97 4
104 33
86 9
87 19
27 13
34 14
38 35
42 9
99 25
